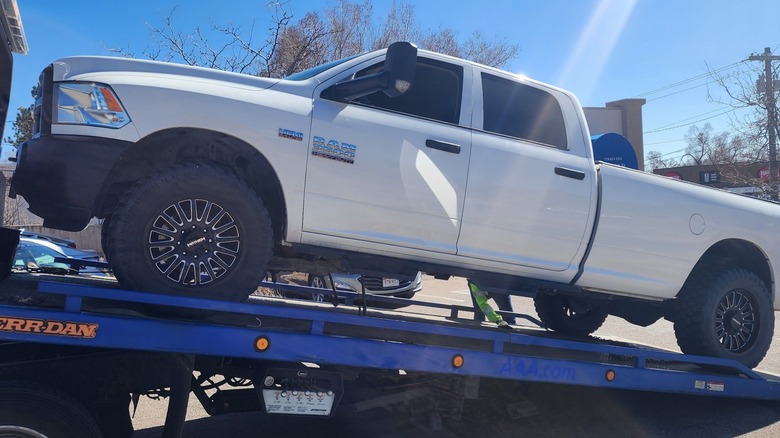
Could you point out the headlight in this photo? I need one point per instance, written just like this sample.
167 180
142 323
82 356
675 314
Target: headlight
88 103
340 285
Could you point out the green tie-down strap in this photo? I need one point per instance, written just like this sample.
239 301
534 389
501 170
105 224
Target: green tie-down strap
481 298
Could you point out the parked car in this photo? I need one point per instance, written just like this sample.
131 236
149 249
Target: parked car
56 240
38 255
387 286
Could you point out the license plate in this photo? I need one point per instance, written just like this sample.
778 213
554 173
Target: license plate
298 402
300 391
390 282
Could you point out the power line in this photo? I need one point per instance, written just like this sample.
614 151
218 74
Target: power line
663 142
692 79
680 124
678 92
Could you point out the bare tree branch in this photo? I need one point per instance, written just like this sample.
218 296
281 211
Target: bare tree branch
348 28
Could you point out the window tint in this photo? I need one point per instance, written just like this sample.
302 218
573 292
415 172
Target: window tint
522 111
436 93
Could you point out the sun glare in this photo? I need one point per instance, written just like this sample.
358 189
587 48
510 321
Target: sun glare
594 46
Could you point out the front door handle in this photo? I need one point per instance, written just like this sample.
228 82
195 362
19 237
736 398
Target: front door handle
443 146
570 173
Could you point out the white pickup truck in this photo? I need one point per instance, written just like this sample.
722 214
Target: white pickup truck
392 161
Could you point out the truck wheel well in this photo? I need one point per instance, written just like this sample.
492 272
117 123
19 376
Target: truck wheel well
182 145
736 253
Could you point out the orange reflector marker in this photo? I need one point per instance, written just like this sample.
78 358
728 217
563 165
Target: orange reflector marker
457 361
610 375
111 102
262 343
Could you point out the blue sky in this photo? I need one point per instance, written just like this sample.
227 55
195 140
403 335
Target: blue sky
602 50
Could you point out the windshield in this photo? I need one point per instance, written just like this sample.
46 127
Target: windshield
314 71
40 255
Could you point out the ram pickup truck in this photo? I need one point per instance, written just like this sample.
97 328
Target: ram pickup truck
392 161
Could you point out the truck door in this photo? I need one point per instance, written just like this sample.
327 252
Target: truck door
390 170
529 199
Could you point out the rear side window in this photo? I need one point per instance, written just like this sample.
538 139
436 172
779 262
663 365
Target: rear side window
522 111
436 93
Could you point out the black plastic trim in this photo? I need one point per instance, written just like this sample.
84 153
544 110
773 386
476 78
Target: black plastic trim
570 173
581 268
443 146
61 176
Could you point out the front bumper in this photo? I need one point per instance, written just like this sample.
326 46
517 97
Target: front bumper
61 176
352 283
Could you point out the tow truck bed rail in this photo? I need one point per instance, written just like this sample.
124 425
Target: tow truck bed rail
274 330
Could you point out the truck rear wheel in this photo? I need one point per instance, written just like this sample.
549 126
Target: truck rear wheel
32 410
569 315
725 314
191 230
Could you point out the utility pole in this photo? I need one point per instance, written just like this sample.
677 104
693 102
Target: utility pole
769 99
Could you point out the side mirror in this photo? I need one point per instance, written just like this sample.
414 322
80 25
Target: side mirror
395 79
400 65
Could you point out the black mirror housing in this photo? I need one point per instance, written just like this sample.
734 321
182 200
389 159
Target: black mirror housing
395 79
400 65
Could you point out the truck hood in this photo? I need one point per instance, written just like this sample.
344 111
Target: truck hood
86 67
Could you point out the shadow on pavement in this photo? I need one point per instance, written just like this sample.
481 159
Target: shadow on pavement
511 409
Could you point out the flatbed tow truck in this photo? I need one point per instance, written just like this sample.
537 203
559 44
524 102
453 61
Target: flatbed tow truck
75 352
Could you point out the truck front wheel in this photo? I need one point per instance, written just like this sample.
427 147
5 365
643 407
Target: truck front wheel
725 314
32 410
191 230
569 315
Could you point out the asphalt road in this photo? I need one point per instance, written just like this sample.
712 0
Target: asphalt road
512 409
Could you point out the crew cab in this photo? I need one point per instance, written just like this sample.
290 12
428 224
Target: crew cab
392 161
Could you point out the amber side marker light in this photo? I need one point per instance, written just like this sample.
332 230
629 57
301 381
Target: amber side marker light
262 343
457 361
111 102
610 375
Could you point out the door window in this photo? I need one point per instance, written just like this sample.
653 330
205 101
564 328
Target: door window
435 94
522 111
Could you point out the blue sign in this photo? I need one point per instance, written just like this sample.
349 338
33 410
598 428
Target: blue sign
613 148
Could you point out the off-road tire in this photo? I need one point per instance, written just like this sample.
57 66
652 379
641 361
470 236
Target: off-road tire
104 234
32 410
726 314
568 315
191 230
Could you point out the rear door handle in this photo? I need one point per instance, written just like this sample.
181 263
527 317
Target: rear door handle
443 146
570 173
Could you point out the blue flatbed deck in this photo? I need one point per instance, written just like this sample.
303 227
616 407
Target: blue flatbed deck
99 314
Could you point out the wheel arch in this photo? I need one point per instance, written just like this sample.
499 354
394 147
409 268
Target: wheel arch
737 253
186 145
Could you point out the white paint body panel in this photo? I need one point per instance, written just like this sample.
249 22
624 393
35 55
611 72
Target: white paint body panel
645 246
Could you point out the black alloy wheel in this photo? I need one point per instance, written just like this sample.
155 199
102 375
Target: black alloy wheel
191 230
